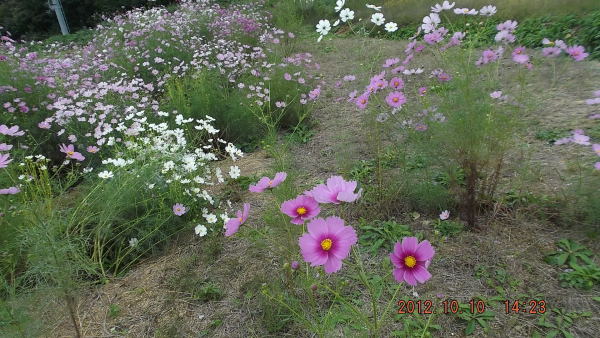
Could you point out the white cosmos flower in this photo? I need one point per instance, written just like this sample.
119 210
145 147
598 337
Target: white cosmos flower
337 22
346 14
487 10
234 172
444 6
339 4
377 8
391 27
377 19
133 242
413 71
200 230
323 27
211 218
105 174
430 22
465 11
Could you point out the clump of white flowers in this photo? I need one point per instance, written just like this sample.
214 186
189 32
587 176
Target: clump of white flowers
346 15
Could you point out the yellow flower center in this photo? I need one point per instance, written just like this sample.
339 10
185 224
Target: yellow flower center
270 182
241 219
409 261
466 10
301 211
326 244
70 153
551 43
396 83
395 99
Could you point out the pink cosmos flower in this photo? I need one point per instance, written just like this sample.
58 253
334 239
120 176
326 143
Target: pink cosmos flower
422 91
551 51
92 149
327 243
390 62
444 215
577 52
411 260
4 160
581 139
395 99
266 183
5 147
362 101
519 56
597 165
396 83
487 56
444 77
287 76
11 131
10 191
421 127
71 153
596 148
336 190
233 224
505 37
179 209
508 25
301 208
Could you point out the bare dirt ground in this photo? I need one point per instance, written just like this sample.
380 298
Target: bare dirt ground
153 301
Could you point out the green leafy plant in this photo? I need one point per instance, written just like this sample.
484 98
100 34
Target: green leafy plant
417 326
448 228
569 253
560 322
474 319
378 235
581 277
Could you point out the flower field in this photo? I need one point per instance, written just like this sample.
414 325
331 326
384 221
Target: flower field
302 168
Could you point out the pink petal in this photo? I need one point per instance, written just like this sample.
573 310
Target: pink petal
398 275
409 244
421 274
333 264
232 226
317 227
311 250
424 251
246 212
279 177
410 278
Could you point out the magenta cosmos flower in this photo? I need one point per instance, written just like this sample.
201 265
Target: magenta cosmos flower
179 209
233 224
395 99
266 183
327 243
71 153
301 208
336 190
411 259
